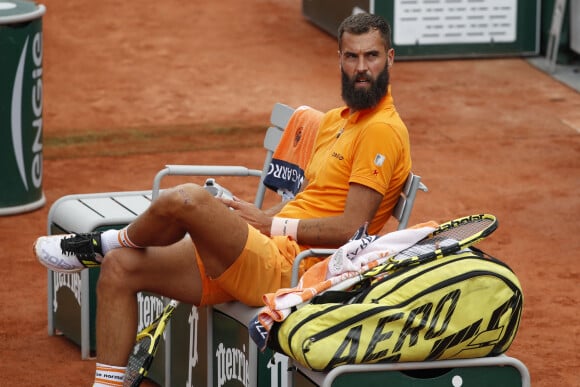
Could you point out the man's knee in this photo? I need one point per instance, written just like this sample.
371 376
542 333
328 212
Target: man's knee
116 269
180 199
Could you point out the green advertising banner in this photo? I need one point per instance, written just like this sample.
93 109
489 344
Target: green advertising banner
21 106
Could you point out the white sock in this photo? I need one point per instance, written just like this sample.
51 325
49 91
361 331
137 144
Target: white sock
110 240
113 239
107 375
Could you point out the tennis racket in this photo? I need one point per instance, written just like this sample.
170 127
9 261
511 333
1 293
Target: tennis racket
146 347
450 237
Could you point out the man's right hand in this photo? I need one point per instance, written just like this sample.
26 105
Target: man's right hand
250 213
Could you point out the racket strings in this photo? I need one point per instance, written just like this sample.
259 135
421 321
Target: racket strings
423 247
136 361
457 235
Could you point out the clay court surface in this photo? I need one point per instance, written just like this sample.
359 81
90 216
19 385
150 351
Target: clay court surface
132 86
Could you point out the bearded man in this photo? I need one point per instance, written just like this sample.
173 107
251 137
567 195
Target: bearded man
191 246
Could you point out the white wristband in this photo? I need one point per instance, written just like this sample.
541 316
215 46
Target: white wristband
285 227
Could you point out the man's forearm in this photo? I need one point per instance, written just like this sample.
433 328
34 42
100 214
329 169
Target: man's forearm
323 232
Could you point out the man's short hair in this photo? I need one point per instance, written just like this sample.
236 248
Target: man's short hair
362 23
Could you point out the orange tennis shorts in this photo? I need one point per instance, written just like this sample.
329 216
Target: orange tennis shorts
264 266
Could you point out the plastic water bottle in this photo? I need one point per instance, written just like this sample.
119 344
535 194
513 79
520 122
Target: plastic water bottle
217 190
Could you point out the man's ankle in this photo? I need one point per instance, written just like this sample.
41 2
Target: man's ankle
109 375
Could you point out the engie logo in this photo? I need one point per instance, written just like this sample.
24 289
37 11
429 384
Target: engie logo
32 172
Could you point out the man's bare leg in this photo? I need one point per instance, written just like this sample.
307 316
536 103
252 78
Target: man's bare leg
218 234
125 272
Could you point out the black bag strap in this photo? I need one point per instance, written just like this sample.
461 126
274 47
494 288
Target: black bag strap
342 296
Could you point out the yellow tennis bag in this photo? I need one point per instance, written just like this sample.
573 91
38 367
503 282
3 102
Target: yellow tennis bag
465 305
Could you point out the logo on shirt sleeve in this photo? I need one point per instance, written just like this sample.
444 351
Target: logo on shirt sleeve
379 159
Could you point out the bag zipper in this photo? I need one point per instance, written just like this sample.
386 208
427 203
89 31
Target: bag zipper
396 286
447 282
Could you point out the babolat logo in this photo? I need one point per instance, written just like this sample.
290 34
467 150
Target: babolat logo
455 223
232 365
71 281
32 172
150 307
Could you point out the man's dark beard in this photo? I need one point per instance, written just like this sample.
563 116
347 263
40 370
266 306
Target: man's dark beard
359 98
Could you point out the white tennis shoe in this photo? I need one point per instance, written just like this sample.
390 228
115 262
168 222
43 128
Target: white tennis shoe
69 253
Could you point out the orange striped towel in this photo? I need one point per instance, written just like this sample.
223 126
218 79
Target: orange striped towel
292 154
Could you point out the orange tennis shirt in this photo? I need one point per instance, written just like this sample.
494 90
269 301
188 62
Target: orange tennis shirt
370 147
